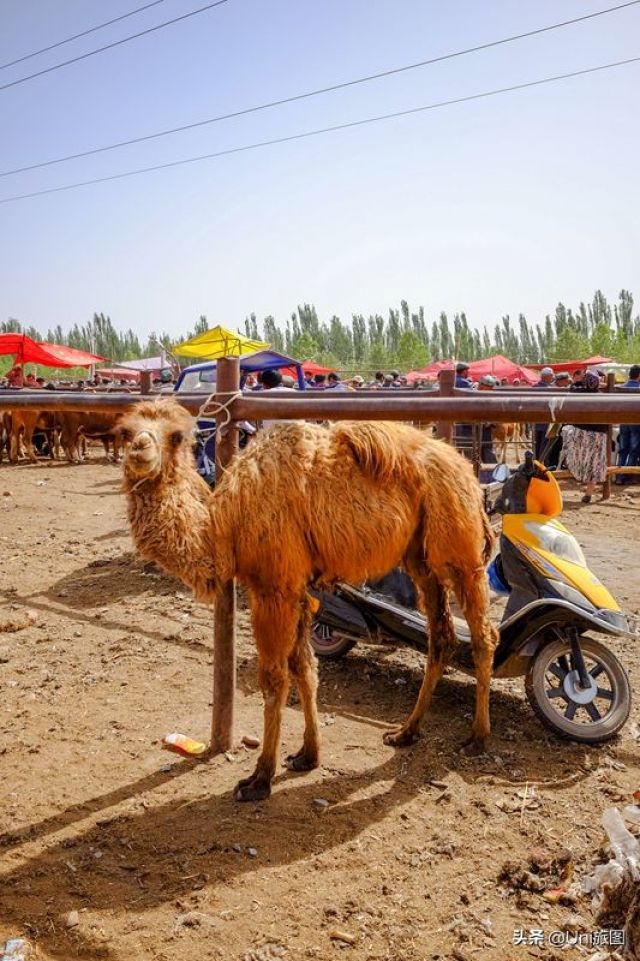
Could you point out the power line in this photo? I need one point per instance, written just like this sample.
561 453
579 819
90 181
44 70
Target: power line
116 43
315 93
323 130
76 36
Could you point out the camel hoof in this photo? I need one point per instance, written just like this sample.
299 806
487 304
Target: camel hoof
301 761
252 789
400 737
474 746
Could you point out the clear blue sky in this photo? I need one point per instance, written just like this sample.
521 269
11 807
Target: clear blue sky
493 207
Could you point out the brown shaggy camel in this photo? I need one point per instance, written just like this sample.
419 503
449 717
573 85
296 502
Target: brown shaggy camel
308 504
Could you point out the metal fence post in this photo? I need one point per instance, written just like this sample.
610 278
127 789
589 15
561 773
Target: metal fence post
606 487
224 638
444 428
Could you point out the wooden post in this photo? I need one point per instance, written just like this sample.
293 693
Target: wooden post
444 428
606 487
145 381
224 638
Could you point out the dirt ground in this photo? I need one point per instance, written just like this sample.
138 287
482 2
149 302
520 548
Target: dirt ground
112 848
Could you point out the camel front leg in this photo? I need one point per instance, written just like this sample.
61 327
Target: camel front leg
303 668
274 626
442 642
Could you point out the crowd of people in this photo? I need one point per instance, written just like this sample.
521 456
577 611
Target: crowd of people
16 378
583 448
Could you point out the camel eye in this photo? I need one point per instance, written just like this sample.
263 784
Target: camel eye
176 438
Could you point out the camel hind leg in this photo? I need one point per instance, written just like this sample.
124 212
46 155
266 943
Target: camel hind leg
275 619
304 670
441 644
28 443
471 590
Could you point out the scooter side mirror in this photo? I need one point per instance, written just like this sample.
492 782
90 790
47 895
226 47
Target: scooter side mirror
501 473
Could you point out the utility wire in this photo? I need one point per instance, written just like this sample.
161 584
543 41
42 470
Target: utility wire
76 36
116 43
323 130
314 93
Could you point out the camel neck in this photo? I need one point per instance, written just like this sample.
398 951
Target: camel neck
171 524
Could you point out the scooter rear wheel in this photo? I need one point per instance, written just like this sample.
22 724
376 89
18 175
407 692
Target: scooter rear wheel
329 644
589 716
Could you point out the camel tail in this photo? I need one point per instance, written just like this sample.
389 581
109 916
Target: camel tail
489 538
374 447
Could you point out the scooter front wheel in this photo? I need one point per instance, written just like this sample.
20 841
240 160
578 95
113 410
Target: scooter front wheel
588 715
328 643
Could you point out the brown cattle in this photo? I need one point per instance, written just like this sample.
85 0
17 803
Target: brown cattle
5 433
505 434
75 426
20 426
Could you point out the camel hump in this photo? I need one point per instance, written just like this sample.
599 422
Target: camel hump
376 448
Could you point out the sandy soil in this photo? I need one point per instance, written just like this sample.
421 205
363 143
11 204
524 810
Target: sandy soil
112 848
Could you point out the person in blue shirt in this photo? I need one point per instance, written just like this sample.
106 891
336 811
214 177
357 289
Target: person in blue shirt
540 430
463 432
629 436
462 375
334 383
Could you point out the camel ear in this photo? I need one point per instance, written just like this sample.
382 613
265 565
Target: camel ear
176 437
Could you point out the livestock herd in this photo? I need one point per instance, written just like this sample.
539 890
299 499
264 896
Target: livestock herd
27 433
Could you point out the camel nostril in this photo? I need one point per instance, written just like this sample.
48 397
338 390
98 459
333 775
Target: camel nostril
142 440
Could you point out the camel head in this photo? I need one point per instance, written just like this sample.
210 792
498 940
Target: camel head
159 438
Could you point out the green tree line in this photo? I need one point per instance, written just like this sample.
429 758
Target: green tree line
403 338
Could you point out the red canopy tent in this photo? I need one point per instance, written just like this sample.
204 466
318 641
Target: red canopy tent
118 373
501 367
498 366
572 365
431 371
308 367
28 351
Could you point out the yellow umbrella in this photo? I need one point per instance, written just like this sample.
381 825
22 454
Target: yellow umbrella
218 342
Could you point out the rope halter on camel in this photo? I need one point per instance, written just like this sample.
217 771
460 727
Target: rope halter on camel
213 408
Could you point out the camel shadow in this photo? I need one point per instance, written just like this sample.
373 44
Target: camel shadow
154 857
111 580
377 691
77 595
84 809
113 535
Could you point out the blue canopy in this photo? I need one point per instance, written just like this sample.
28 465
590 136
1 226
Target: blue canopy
249 364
